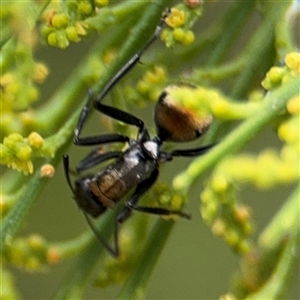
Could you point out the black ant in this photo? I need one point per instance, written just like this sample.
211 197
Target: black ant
138 166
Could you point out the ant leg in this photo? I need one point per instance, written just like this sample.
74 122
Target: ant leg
114 251
123 116
158 211
133 60
191 152
139 191
94 158
114 112
142 187
124 214
93 140
100 139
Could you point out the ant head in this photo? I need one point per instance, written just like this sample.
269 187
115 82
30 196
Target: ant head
175 121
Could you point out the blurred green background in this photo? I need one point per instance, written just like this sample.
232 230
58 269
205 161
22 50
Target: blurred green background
194 264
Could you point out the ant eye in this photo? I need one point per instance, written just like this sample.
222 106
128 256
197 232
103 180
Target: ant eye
174 120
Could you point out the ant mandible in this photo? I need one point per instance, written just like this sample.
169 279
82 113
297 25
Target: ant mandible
138 165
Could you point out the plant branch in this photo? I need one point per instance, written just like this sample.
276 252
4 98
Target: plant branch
274 104
283 231
135 286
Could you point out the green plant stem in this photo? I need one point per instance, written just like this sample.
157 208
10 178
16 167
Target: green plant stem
284 229
15 218
246 66
117 14
285 222
13 221
219 73
75 281
284 39
276 285
259 48
251 62
135 286
33 8
214 38
233 22
12 182
74 246
7 54
274 104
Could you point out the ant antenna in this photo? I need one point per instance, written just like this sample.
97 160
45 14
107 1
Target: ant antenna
67 174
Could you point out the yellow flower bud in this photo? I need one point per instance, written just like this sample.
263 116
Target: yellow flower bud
275 74
36 242
176 18
292 60
101 2
293 106
52 39
219 227
40 72
80 28
219 184
53 255
189 38
35 140
60 20
85 7
24 153
47 170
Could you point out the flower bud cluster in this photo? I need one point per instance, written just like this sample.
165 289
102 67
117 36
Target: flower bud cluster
288 130
179 22
222 212
21 73
221 208
167 198
148 87
65 23
16 151
279 75
220 204
31 253
204 101
18 92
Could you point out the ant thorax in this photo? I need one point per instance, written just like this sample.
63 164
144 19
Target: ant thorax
152 148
